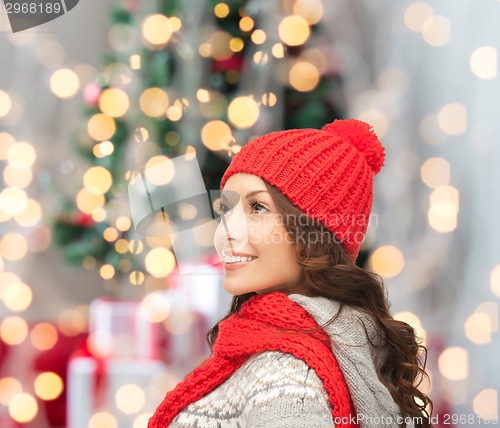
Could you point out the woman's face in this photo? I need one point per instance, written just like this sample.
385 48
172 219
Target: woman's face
255 232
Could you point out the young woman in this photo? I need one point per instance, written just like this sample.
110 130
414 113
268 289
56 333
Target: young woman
308 341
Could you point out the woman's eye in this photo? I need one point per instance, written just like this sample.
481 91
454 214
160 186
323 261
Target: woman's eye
255 206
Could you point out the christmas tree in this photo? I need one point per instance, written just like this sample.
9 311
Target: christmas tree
187 77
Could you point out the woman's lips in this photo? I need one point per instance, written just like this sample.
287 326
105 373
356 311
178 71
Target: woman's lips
236 262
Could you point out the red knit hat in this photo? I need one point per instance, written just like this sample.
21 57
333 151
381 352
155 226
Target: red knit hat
328 173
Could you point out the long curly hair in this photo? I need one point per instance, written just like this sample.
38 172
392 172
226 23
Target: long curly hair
329 272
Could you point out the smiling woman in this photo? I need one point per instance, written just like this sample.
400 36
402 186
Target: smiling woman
255 230
309 340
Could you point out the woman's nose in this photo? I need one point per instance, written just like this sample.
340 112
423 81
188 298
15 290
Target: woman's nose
235 225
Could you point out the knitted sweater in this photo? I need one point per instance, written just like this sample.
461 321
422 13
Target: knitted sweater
298 385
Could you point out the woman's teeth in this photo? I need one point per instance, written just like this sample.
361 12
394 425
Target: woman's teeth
236 259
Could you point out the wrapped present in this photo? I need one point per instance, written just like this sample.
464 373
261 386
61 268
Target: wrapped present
118 329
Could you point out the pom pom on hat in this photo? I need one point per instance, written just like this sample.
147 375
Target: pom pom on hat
328 173
361 135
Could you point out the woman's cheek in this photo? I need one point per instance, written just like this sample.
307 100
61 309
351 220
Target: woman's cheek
219 238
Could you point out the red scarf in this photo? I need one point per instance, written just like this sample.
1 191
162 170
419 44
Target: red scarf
258 327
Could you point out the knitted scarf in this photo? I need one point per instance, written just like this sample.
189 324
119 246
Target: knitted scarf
265 322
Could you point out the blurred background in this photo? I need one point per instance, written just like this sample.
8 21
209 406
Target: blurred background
96 321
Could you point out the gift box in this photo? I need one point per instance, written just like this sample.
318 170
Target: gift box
118 329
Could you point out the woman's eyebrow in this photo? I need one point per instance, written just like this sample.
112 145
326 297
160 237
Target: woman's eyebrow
249 195
255 192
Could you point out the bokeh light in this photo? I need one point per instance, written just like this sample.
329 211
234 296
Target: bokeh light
216 135
110 234
97 180
123 223
294 30
243 112
304 76
107 271
236 44
87 202
160 262
43 336
258 36
387 261
135 246
101 127
246 24
114 102
156 31
260 58
485 405
154 102
174 113
278 50
483 62
478 328
48 386
13 330
135 62
435 172
136 277
130 399
454 363
221 10
159 170
23 407
64 83
121 246
175 23
103 149
269 99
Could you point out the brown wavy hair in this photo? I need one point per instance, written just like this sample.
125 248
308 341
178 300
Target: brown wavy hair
329 272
